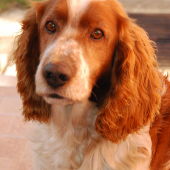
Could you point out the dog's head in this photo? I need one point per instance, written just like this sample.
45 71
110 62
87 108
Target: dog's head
71 50
75 49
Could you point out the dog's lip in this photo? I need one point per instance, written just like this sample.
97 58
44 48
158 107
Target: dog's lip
55 96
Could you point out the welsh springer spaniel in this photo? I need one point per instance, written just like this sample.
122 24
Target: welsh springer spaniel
87 74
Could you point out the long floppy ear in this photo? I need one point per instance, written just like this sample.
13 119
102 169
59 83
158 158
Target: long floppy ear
26 58
133 100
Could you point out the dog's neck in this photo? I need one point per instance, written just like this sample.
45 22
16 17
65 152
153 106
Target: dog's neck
73 141
76 115
74 126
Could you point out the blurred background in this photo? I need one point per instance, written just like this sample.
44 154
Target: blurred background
15 149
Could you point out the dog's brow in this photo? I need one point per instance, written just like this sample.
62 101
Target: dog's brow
77 8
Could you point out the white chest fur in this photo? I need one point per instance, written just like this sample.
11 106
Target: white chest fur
70 142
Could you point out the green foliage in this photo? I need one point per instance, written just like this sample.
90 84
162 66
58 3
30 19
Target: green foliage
5 4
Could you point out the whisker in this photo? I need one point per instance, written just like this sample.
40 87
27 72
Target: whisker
94 95
94 84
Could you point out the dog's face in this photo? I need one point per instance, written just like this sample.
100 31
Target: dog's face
77 40
69 46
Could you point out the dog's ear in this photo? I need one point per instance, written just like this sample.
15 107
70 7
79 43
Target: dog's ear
26 58
133 100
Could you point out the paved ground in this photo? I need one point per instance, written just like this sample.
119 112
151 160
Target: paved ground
15 149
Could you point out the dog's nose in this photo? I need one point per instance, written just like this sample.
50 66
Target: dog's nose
56 75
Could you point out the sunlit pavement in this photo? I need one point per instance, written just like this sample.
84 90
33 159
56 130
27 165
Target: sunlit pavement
15 149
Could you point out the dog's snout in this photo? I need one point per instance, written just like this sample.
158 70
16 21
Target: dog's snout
56 75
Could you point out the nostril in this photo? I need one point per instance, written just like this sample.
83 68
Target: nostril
63 77
48 75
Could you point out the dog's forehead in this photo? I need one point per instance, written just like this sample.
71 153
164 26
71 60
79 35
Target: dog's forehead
73 10
76 8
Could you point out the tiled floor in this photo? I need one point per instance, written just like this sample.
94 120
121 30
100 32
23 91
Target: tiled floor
15 149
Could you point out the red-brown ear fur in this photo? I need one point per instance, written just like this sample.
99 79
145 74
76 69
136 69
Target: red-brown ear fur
134 98
26 58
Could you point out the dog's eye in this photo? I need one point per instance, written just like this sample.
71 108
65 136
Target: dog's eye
97 34
51 26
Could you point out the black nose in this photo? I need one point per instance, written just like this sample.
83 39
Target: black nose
55 75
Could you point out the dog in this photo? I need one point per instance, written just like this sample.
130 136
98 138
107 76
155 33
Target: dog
88 76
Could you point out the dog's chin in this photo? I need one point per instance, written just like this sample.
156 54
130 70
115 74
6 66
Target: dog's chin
55 99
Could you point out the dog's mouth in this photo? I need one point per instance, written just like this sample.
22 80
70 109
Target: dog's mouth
57 99
55 96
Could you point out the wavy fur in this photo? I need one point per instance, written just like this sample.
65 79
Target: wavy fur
119 111
26 57
134 98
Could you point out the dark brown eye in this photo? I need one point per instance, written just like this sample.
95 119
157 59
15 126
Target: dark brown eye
51 26
97 34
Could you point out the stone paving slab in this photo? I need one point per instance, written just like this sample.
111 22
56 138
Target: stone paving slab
8 81
15 150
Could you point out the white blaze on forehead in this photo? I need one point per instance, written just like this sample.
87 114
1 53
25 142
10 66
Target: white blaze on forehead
78 7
